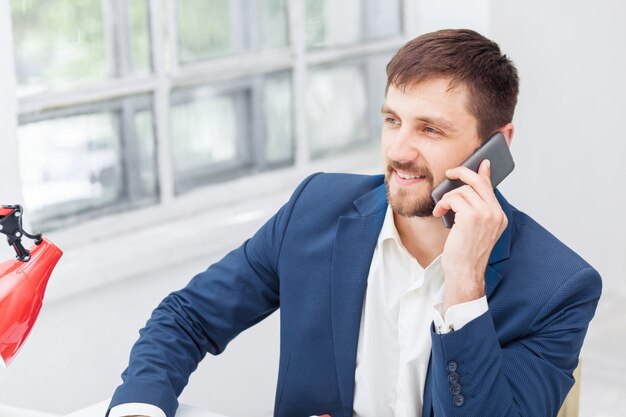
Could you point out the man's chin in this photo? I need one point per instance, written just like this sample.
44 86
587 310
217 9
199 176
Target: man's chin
414 201
412 211
407 207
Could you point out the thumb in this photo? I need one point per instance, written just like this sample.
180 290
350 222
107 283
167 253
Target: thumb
485 168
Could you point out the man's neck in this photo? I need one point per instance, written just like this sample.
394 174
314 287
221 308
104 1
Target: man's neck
423 237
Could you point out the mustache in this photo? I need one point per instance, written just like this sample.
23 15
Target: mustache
414 169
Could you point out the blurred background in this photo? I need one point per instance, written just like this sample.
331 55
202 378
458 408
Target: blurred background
149 138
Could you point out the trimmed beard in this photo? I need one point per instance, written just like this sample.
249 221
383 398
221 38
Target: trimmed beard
401 202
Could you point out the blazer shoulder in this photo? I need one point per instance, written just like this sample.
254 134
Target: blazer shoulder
336 189
544 251
355 183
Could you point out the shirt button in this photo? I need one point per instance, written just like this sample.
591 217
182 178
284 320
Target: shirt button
458 400
455 389
452 366
453 377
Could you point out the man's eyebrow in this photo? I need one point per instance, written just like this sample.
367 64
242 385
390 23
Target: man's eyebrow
437 121
386 109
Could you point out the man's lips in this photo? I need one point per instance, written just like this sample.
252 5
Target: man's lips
407 178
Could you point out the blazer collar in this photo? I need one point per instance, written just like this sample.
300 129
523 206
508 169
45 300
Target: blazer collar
376 200
372 201
502 248
355 241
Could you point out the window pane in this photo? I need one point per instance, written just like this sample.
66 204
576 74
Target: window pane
139 36
58 42
204 28
204 134
375 68
220 132
73 161
75 166
277 109
273 23
331 22
211 28
337 108
146 160
350 21
383 19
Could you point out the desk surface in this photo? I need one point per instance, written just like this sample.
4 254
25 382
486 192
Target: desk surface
98 410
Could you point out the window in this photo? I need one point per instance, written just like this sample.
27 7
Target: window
131 103
331 22
212 144
62 43
85 159
208 29
343 104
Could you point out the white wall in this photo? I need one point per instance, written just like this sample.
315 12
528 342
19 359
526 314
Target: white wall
569 148
9 191
569 144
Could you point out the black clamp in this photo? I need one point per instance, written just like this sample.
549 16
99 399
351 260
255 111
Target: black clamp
11 226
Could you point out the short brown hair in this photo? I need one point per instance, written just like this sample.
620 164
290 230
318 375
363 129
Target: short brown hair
468 59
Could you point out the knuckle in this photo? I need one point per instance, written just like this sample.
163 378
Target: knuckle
465 190
473 215
504 221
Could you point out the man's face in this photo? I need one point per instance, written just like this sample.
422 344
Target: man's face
427 130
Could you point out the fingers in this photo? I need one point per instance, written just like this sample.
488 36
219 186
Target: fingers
481 181
476 200
461 200
450 201
485 168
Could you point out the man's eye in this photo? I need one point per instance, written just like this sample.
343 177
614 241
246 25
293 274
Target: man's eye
431 130
391 121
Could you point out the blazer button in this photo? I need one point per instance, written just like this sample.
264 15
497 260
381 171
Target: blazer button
452 366
455 389
458 400
453 378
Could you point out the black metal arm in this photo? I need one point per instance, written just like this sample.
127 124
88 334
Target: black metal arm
11 226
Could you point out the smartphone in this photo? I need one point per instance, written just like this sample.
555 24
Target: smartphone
497 151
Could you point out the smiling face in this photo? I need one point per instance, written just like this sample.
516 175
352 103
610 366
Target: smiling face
427 130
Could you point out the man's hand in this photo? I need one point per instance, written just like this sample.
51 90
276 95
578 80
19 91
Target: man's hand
479 221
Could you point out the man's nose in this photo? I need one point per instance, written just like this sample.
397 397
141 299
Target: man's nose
403 147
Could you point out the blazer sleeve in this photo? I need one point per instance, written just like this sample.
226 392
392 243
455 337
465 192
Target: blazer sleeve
474 375
231 295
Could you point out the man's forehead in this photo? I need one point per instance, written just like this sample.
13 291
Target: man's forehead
440 86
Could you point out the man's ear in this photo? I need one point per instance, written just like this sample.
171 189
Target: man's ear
507 130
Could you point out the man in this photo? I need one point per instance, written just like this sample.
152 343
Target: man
384 311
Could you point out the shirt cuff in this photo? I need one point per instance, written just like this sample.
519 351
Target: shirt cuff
136 409
458 315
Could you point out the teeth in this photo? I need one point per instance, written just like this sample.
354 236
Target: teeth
408 177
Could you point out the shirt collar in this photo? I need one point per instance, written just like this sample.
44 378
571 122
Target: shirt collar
389 232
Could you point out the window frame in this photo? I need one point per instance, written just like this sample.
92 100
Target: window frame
168 75
124 109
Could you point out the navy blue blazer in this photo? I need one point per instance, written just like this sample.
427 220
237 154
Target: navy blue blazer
312 259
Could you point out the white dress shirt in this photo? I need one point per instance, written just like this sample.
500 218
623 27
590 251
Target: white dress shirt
136 409
401 302
394 345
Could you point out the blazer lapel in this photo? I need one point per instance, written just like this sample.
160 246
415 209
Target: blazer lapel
352 256
354 246
501 249
500 252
